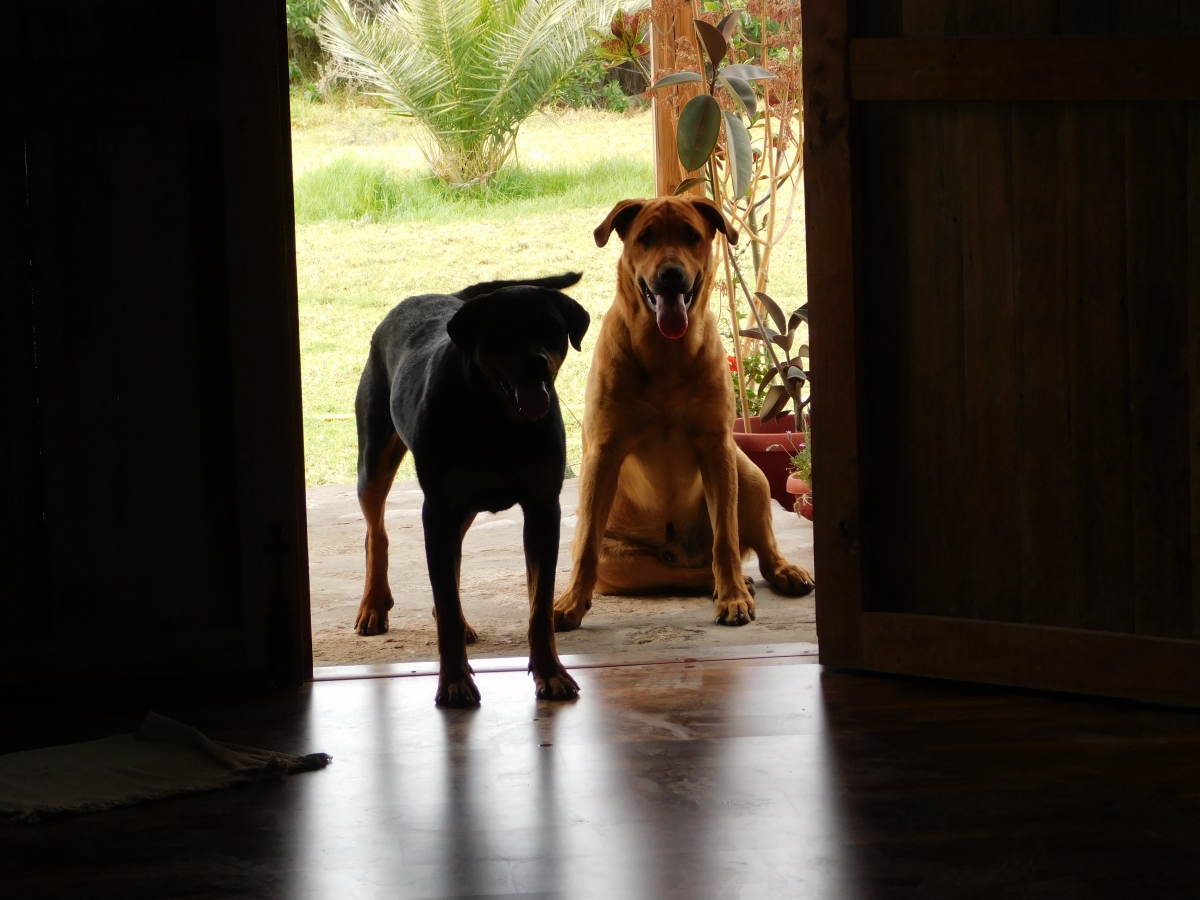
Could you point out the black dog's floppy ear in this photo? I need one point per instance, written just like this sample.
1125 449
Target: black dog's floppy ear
463 326
713 213
618 220
576 317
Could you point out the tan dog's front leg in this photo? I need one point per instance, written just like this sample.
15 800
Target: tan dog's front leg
597 488
718 469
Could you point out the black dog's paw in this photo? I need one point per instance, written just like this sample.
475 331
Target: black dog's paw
372 618
555 683
457 692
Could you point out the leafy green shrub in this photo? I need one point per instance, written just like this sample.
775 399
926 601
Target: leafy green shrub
304 50
469 72
589 88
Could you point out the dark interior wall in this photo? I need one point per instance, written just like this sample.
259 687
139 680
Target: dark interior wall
150 442
1030 297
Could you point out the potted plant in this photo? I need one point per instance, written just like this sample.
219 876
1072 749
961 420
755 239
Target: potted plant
776 435
799 483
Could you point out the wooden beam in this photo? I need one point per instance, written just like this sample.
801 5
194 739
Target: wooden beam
1026 68
666 29
833 305
1157 670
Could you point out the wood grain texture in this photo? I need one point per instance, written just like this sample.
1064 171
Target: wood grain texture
1046 488
938 377
833 301
1095 263
1156 670
990 357
1025 68
1156 204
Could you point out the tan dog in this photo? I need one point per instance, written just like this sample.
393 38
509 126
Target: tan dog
666 499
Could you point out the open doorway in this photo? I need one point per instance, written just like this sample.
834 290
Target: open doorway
374 226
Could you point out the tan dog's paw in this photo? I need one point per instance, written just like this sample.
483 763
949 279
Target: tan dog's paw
554 682
457 691
568 615
795 581
735 610
749 586
373 616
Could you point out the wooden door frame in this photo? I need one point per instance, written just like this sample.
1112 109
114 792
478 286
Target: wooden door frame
838 71
244 95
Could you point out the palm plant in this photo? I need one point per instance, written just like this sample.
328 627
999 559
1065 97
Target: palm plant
470 71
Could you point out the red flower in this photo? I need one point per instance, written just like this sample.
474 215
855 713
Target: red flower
732 363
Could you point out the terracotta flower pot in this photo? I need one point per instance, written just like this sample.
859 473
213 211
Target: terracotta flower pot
801 490
771 449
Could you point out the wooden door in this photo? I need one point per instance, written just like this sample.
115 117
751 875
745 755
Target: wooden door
1003 204
150 447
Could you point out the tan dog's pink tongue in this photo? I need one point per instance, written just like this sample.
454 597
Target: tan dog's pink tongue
672 315
533 399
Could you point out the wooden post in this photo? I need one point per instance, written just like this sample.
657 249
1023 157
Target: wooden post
665 30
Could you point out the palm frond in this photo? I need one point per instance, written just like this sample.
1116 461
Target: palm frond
470 71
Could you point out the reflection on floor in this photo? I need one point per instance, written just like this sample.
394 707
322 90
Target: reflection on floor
753 779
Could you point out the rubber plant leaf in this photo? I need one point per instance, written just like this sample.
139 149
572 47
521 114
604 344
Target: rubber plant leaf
697 132
714 42
677 78
742 92
773 309
783 341
796 375
798 316
729 24
687 184
757 334
747 72
775 402
741 160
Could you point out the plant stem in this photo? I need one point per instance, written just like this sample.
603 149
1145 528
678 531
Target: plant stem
763 328
733 316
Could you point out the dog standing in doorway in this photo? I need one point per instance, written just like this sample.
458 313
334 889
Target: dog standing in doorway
666 499
487 355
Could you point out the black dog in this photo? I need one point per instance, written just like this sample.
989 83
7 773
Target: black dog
466 382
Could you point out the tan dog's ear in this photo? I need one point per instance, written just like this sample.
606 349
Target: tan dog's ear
712 212
618 220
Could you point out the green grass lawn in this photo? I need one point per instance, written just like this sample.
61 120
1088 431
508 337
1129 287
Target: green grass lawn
372 228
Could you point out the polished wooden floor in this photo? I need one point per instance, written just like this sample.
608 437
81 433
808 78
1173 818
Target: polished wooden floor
751 779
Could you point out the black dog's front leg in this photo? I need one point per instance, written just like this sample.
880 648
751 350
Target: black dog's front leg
542 523
443 552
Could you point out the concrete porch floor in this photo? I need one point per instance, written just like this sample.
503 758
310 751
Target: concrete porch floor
493 590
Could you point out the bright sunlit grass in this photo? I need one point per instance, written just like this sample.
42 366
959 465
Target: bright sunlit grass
373 228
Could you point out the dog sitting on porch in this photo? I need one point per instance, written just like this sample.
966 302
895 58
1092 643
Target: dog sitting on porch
666 499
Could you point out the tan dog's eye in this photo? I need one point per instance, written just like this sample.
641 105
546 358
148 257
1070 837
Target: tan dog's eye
691 235
646 238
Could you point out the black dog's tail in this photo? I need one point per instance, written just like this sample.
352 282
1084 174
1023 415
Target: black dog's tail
556 282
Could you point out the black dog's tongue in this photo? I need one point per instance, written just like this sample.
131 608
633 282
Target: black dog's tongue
672 315
533 399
